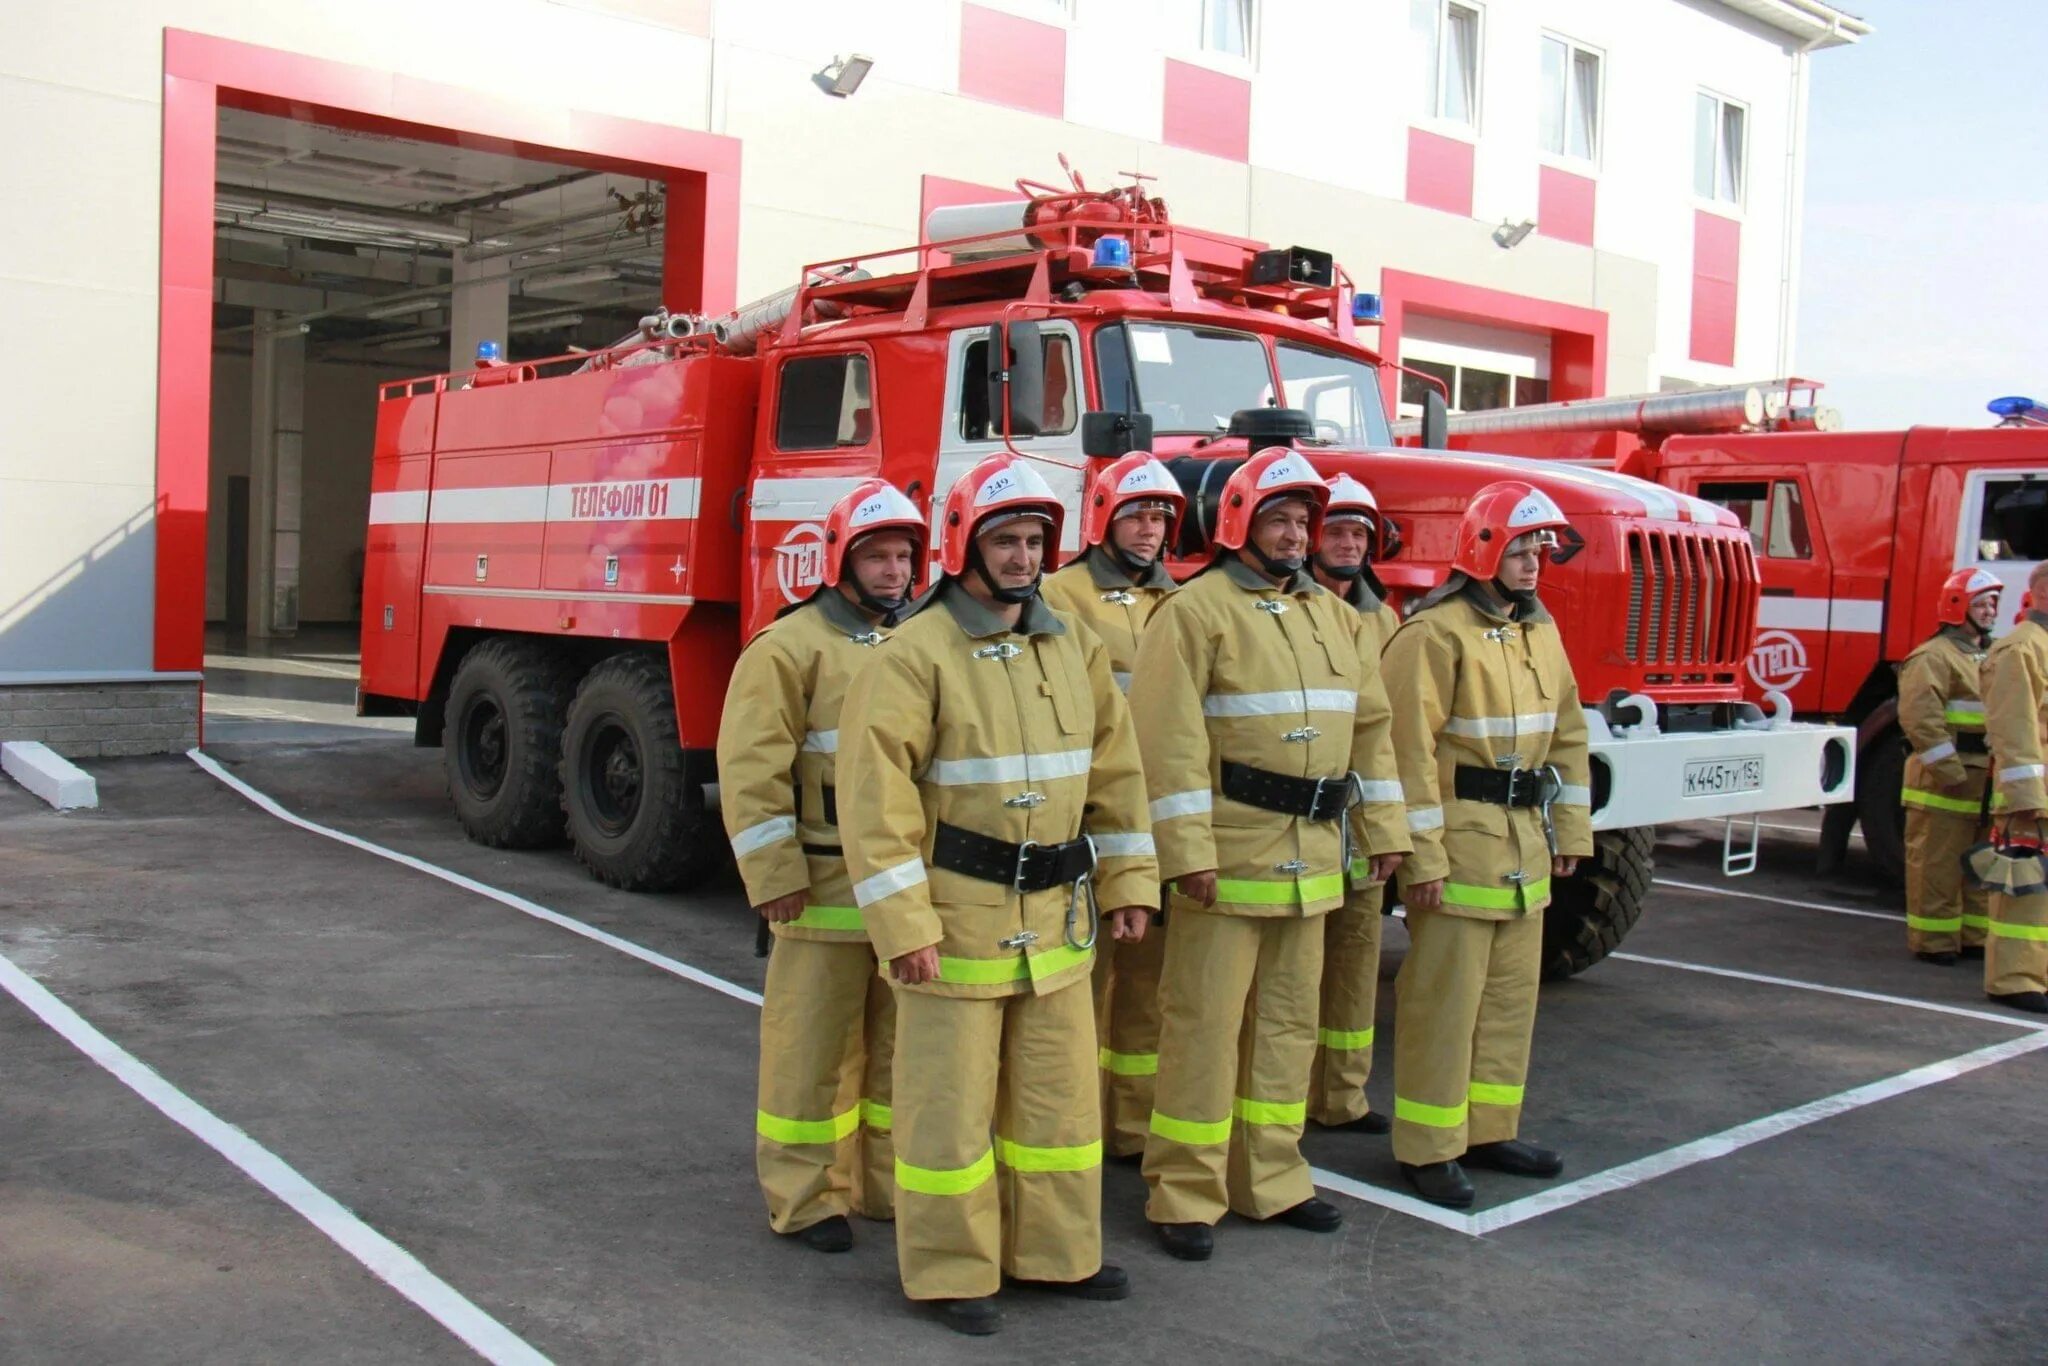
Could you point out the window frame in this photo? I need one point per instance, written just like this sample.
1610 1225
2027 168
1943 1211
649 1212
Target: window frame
1077 385
1433 116
1712 199
1218 57
1572 50
867 358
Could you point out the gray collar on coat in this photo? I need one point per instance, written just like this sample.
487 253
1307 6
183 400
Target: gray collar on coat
1107 573
976 620
1303 583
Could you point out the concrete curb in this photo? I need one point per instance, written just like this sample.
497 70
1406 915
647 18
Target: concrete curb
49 775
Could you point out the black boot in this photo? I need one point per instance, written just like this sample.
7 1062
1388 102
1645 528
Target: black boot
977 1318
1316 1216
1189 1242
1513 1156
2033 1002
1440 1183
1109 1283
1972 951
1945 958
828 1235
1371 1122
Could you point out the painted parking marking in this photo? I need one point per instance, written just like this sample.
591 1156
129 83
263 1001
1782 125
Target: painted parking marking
1854 993
1711 890
384 1259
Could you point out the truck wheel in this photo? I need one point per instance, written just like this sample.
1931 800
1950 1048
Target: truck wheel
1592 909
1880 773
501 736
633 796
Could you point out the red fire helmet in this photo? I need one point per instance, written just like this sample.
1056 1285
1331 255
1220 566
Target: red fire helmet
999 484
1497 515
1137 477
871 505
1275 472
1353 500
1962 588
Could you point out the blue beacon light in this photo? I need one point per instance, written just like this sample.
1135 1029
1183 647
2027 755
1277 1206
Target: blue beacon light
2014 406
487 351
1112 253
1365 308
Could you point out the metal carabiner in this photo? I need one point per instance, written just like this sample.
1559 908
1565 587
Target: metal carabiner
1552 786
1084 886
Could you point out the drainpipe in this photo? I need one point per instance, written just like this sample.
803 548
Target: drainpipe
1790 226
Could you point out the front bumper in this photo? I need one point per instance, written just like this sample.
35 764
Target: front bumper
1644 776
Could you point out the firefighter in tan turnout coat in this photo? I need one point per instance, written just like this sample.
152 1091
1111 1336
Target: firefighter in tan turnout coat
998 779
1265 738
827 1021
1492 744
2015 678
1133 513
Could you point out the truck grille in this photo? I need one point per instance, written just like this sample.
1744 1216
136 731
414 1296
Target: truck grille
1691 599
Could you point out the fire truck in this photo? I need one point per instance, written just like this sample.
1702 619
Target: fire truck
1853 531
564 557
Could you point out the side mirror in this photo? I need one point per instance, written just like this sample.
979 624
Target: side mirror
2022 519
1436 421
1109 435
1020 386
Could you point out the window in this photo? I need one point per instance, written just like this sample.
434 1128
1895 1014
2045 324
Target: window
1227 27
1061 400
1772 510
1445 38
1470 388
1568 123
1190 379
826 402
1717 147
1415 390
1341 394
2010 506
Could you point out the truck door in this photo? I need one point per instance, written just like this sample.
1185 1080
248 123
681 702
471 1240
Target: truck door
1997 507
1794 629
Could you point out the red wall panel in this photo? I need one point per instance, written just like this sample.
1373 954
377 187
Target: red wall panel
1564 205
1439 172
1208 111
1716 258
1013 61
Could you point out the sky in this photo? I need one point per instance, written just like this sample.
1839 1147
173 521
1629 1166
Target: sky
1924 289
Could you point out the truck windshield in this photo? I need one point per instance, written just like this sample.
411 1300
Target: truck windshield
1341 394
1190 379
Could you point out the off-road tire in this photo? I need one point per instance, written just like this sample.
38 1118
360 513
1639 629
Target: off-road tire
1592 910
1880 773
501 742
633 797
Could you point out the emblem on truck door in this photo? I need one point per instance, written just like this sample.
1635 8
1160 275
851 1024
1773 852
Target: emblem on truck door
800 561
1777 661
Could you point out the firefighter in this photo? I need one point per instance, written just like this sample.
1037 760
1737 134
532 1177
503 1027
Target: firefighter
821 1125
996 766
1351 933
1262 730
1493 754
1133 513
1944 791
2015 679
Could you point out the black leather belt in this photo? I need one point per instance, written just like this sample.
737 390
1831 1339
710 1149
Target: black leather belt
1027 867
1501 786
1971 742
1319 799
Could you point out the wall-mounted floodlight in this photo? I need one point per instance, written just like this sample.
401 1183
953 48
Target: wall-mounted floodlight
1509 235
844 75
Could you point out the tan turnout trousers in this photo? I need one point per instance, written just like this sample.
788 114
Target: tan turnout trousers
1943 911
2016 953
1127 1025
1351 989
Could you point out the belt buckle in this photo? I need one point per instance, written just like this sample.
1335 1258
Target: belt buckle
1316 811
1023 852
1018 940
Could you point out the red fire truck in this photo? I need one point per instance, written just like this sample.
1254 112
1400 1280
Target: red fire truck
1853 531
564 557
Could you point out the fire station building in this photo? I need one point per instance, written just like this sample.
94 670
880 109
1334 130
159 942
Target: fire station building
234 219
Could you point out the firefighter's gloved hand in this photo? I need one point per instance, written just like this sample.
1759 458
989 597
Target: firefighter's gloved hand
1563 867
919 965
783 909
1198 887
1384 866
1128 923
1426 896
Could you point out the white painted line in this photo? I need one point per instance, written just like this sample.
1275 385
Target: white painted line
483 889
384 1259
2011 1021
1394 1200
1743 1135
49 775
1773 900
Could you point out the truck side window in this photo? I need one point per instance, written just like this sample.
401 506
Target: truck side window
825 402
1788 539
1750 501
1062 390
1993 526
1773 512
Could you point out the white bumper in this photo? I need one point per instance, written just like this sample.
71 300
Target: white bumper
1653 777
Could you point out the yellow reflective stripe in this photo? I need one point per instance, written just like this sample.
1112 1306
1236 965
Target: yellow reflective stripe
1345 1040
1976 922
876 1115
989 971
1431 1116
1022 1157
1294 892
1494 1093
2005 930
1935 801
1056 960
1928 925
829 918
1496 898
781 1130
1128 1064
945 1180
1270 1111
1191 1131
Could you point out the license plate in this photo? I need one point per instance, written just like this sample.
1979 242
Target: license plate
1719 777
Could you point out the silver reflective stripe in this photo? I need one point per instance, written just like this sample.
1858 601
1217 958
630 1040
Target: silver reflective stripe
1180 804
1426 818
1482 727
1123 681
1279 703
1123 846
1571 794
888 882
1381 791
1010 768
762 835
2021 772
1937 753
822 741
